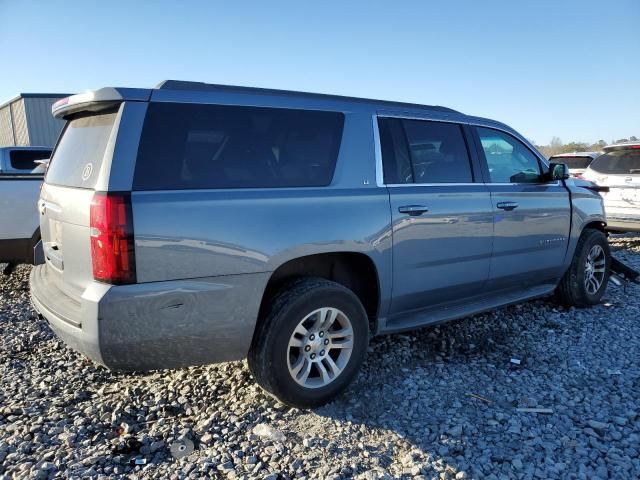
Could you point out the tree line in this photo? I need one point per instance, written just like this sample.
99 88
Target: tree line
556 146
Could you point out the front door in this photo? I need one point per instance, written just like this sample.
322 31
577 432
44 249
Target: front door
442 217
531 215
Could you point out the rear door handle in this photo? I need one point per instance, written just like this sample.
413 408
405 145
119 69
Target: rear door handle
413 210
507 205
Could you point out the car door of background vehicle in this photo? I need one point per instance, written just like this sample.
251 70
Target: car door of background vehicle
442 218
19 190
531 216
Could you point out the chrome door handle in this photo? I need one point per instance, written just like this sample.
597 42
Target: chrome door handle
413 210
507 205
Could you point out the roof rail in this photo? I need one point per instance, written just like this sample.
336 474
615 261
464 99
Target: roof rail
212 87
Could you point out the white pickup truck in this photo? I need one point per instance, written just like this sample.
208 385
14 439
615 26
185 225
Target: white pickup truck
21 174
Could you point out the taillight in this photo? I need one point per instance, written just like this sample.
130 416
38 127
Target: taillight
112 249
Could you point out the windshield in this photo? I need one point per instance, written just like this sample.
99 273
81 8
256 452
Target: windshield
77 158
618 161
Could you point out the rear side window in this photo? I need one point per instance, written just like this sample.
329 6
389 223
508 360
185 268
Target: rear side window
508 159
420 151
623 162
26 159
77 158
188 146
573 162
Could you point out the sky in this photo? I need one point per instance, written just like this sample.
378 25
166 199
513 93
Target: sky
565 68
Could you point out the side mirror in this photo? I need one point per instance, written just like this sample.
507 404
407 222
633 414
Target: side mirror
558 171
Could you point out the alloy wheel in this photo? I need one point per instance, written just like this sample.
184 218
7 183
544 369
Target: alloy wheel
594 269
320 347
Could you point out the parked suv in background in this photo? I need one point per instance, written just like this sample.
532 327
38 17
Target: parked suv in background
20 179
576 161
619 169
194 223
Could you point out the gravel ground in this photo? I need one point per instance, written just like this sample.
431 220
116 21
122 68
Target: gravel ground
438 403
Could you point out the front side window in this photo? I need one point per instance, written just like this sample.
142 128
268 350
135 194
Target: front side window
190 146
421 151
508 159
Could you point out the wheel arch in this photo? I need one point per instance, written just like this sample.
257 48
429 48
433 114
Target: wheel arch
596 222
354 270
599 224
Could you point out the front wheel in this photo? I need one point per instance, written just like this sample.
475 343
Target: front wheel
311 343
586 280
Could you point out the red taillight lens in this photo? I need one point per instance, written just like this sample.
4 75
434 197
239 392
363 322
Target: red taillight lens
112 249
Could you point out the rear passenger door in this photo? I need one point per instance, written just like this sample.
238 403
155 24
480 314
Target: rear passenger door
441 213
531 214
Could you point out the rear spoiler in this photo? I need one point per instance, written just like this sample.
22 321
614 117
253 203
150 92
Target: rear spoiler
97 100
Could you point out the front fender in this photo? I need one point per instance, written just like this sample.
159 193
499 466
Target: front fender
587 210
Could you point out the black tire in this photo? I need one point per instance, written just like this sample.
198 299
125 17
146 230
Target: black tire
572 290
269 351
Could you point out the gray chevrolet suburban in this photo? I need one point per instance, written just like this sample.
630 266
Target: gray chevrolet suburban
195 223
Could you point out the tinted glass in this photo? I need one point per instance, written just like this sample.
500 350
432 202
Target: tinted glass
78 156
26 159
618 162
420 151
573 162
187 146
438 152
395 154
508 159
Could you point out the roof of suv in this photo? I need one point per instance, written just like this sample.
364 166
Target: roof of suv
111 95
622 146
577 154
212 87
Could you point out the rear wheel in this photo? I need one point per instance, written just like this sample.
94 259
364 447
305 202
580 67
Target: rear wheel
310 344
586 280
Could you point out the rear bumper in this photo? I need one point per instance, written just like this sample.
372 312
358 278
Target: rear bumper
623 224
157 325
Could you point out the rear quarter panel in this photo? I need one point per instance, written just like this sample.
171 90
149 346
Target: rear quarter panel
210 233
181 234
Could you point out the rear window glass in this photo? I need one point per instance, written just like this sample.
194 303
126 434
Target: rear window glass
438 152
26 159
77 158
618 161
573 162
420 151
186 146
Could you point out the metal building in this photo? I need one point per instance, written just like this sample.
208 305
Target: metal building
26 120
